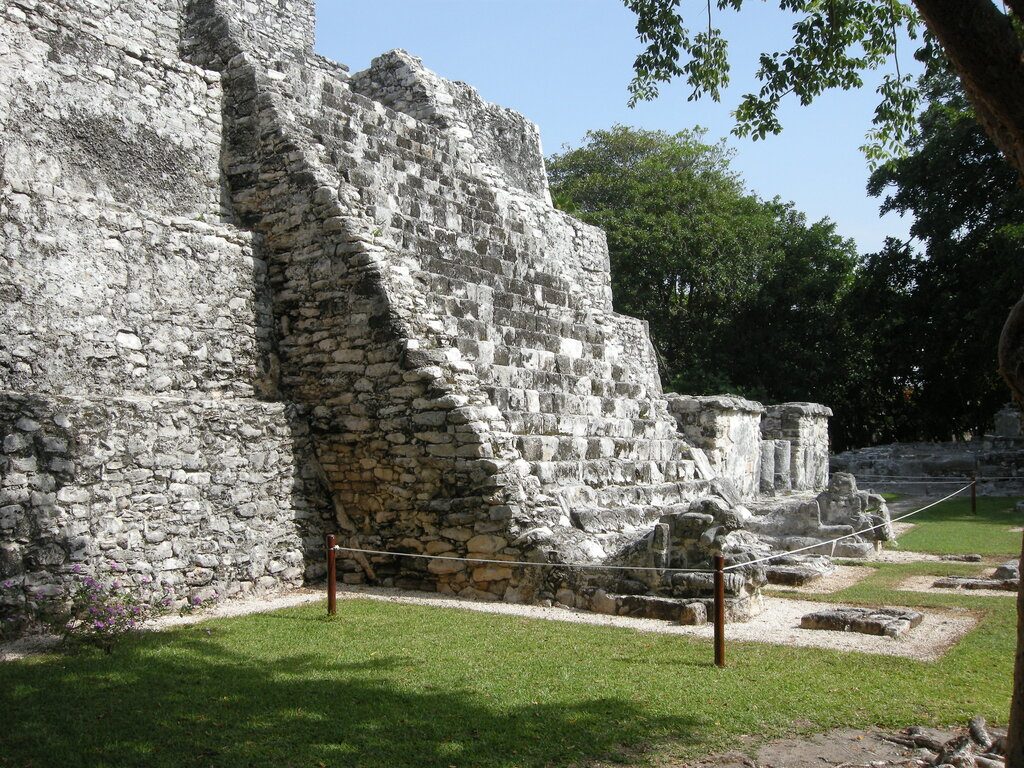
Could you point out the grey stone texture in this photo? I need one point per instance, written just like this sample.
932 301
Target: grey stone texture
890 622
1008 422
251 298
935 469
802 428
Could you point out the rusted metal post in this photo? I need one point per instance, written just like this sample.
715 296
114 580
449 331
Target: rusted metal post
332 576
719 611
974 493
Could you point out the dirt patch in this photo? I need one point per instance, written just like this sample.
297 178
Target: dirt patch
844 747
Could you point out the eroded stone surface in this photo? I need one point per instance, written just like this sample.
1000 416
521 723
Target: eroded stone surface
253 298
965 582
891 622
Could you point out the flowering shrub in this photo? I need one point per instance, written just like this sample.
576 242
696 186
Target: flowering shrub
92 612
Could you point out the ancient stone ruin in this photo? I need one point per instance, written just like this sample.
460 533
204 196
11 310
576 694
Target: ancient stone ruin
250 299
935 469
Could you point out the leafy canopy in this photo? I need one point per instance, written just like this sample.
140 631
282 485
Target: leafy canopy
740 294
834 43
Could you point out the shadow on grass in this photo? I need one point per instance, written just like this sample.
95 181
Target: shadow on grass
192 702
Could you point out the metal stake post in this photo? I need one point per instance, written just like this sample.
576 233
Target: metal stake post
332 576
974 493
719 611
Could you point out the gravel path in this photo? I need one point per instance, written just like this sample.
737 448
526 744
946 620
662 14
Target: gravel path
842 577
777 624
901 556
898 529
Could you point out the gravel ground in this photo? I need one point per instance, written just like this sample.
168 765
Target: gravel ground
843 748
842 577
777 624
924 584
898 529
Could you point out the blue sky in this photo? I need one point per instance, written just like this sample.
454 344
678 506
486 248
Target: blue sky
565 64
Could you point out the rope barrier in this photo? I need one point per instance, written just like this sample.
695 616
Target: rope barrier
645 568
850 535
921 482
934 478
718 572
590 566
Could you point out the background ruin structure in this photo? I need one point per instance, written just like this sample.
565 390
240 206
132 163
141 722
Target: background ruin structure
250 298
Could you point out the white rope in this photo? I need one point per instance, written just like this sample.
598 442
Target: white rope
593 566
917 482
849 535
935 478
599 566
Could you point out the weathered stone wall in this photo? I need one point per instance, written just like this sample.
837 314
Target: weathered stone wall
506 143
936 469
205 497
92 114
104 299
137 327
249 293
805 427
728 429
491 374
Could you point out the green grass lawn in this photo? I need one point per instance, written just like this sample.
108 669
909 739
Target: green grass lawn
391 685
950 528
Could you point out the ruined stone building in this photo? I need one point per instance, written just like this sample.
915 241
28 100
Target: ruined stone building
250 298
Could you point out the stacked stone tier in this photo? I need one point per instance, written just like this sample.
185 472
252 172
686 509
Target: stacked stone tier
518 289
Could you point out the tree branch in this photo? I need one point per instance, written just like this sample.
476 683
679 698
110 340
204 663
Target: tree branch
987 53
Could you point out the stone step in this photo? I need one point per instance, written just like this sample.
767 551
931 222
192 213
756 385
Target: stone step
686 612
640 496
606 473
565 376
609 435
566 447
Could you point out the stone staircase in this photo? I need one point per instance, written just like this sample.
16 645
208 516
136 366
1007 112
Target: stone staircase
250 292
491 290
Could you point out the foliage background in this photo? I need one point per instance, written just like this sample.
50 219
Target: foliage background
747 296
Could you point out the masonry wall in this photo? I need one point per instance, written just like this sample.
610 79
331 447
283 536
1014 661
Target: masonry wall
253 299
801 443
185 495
728 430
137 336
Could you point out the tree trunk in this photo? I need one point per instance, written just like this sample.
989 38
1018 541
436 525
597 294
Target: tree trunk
1011 352
988 55
1014 742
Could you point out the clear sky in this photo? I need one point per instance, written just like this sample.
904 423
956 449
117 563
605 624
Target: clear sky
565 64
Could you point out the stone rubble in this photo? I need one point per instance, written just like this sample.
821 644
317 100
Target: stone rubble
971 583
890 622
977 748
936 469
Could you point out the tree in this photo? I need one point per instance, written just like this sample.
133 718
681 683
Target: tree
708 265
688 244
969 216
834 42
